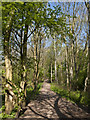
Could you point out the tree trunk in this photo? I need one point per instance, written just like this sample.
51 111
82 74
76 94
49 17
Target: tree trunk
62 82
38 63
51 72
88 72
35 59
55 61
25 52
72 53
8 65
71 70
67 72
85 86
73 44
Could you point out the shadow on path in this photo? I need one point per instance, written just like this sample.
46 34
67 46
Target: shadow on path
60 114
39 114
55 107
49 105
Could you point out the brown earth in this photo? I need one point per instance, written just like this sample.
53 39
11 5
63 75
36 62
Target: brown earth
49 105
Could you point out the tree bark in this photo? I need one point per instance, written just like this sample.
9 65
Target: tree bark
51 72
88 72
55 61
25 51
35 59
67 72
8 65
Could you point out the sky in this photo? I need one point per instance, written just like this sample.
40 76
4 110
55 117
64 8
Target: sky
81 13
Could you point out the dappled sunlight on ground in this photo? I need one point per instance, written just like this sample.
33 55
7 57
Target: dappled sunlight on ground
50 105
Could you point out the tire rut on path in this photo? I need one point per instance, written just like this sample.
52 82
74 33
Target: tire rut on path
49 105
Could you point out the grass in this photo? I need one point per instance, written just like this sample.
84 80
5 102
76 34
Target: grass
74 96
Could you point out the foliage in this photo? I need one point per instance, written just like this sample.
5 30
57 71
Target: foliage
41 74
31 94
85 99
38 37
75 96
4 115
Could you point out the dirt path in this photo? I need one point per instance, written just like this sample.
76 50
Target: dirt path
49 105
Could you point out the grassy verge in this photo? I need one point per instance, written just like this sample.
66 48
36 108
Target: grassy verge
74 96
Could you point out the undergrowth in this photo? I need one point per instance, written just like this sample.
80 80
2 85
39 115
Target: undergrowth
74 96
31 94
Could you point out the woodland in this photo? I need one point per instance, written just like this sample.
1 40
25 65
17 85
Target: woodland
44 42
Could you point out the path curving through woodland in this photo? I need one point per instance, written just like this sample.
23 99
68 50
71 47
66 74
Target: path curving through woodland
49 105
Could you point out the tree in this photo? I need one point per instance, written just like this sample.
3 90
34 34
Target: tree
87 82
7 28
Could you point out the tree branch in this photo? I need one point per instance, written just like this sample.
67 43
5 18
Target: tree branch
17 33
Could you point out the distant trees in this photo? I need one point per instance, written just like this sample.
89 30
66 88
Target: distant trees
87 81
71 57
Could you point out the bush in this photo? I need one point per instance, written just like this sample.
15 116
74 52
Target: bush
85 99
31 94
75 96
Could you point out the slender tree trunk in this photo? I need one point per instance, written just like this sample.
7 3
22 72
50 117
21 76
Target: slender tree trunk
51 72
38 64
25 51
73 44
72 53
61 74
67 72
85 86
86 80
71 65
24 55
75 61
71 69
37 52
35 59
21 50
55 61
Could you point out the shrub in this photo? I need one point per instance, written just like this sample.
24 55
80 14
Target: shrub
85 99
